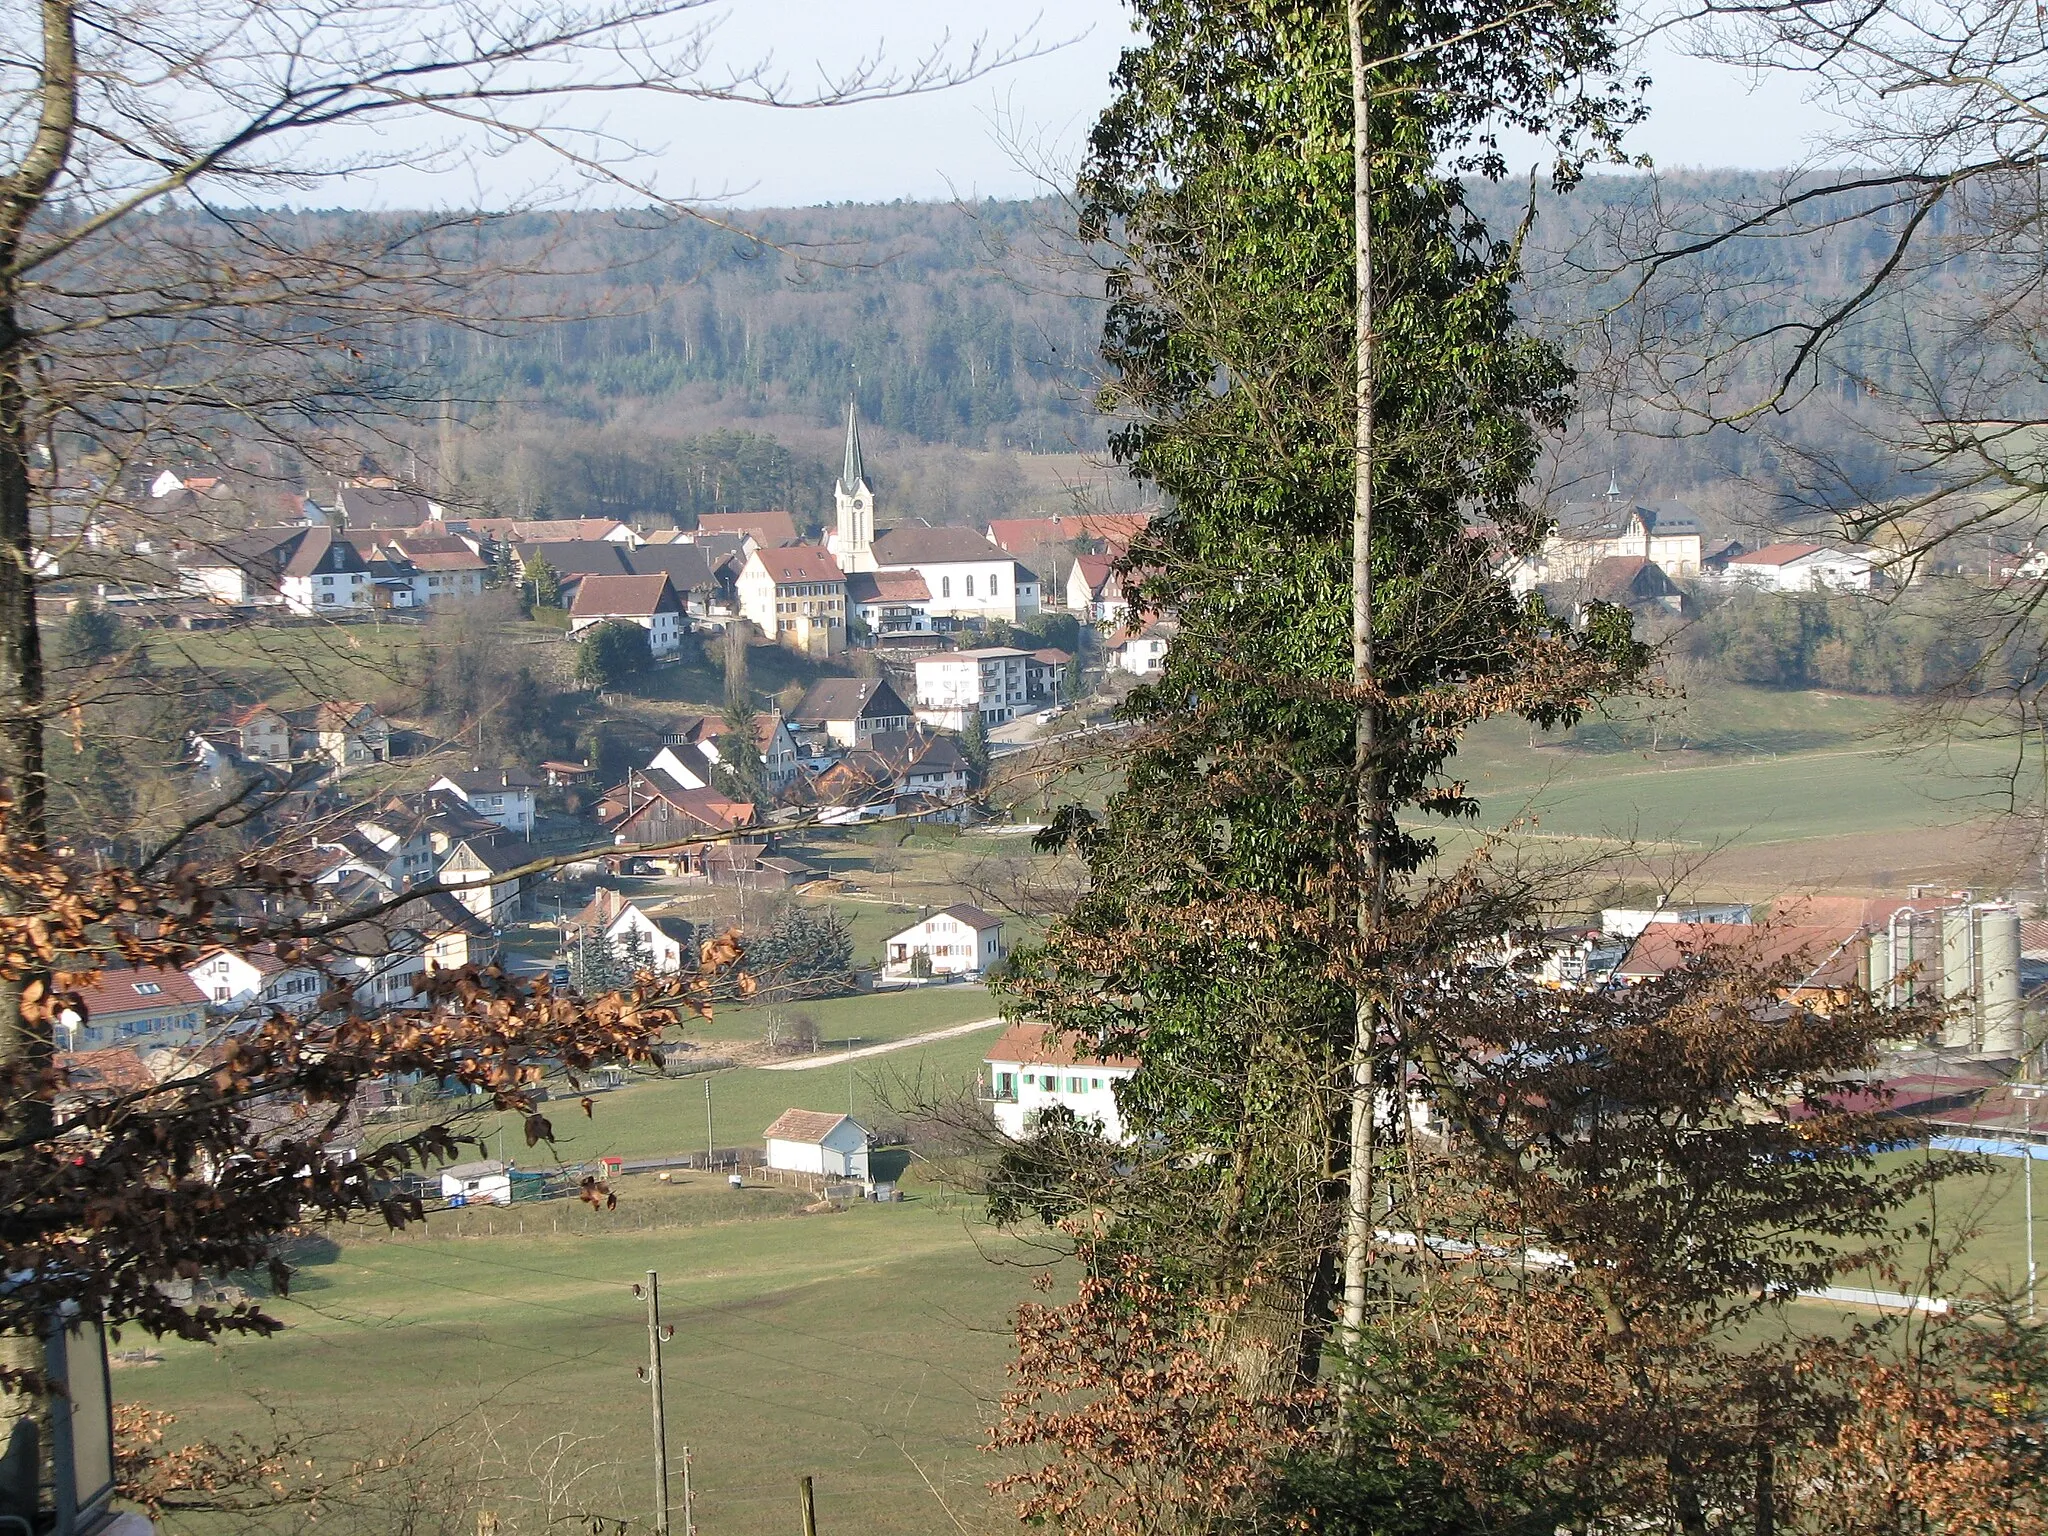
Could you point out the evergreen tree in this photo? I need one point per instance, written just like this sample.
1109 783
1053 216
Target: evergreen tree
91 633
974 747
595 966
741 773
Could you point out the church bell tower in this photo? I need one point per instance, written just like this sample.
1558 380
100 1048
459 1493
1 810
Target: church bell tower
854 539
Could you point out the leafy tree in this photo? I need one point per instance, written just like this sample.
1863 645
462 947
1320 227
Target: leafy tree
539 585
974 747
612 653
91 633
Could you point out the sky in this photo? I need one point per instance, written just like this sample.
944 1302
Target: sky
1017 129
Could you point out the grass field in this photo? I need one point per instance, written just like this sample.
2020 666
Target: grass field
865 1347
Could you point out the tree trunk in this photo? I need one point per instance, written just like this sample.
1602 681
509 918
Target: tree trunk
1358 1214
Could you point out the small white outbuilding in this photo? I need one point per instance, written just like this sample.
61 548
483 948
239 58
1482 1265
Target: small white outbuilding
486 1183
811 1141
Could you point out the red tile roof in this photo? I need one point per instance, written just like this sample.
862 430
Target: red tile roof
635 596
1037 1045
1777 554
123 989
799 562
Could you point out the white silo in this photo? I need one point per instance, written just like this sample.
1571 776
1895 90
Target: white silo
1998 990
1958 978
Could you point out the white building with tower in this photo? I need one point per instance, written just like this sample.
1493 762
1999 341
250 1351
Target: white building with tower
852 540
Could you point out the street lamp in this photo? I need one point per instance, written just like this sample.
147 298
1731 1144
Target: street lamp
2026 1093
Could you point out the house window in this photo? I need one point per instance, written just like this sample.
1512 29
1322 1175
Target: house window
993 589
945 586
970 586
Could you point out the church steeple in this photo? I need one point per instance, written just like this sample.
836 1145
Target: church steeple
853 540
853 477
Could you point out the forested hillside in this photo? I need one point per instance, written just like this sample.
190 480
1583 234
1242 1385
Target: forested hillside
701 368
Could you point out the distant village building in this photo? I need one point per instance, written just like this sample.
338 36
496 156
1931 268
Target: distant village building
1667 534
668 938
810 1141
151 1006
960 940
1031 1070
765 530
851 710
479 876
967 577
351 734
648 601
1795 567
954 686
1143 654
890 602
306 571
1095 590
263 733
797 595
502 796
255 979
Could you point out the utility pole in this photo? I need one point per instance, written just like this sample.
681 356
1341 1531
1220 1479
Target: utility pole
807 1504
2026 1093
651 1374
710 1141
689 1520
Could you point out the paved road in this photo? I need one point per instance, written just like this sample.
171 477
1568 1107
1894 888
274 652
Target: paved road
840 1058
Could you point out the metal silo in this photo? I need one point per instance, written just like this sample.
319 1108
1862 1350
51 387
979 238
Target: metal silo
1998 989
1958 978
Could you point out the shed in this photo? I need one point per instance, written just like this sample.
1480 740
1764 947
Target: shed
812 1141
486 1183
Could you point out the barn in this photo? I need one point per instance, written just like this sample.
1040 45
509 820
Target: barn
812 1141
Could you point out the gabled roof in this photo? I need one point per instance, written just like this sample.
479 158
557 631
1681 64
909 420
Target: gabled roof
252 712
799 562
1830 951
1018 534
1099 571
1037 1045
921 544
633 596
125 989
579 557
962 912
887 587
523 530
344 715
442 553
688 567
375 506
850 698
809 1126
768 528
1777 554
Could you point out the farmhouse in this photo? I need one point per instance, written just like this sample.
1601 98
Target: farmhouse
960 940
809 1141
1031 1070
648 601
851 711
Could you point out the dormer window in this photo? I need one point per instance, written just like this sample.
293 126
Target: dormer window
147 988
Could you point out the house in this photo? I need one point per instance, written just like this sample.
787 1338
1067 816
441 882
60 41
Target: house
1092 533
959 940
253 980
648 601
778 749
953 686
1095 589
811 1141
307 571
797 595
450 935
750 867
263 733
1048 676
1830 957
541 530
893 765
487 1182
1627 922
1668 534
479 876
669 939
566 775
849 710
130 1006
381 958
1634 582
1032 1069
1803 568
967 577
768 530
351 734
890 602
704 578
1143 654
504 796
435 569
653 810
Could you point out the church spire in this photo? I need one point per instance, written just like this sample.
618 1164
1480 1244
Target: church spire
854 474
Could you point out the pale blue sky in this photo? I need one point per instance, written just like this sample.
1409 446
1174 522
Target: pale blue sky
999 135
